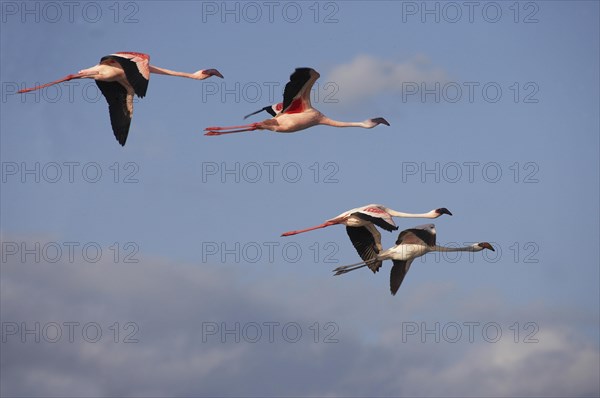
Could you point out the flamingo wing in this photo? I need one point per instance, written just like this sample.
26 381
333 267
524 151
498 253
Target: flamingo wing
366 245
135 66
141 60
120 107
296 95
378 217
397 274
422 234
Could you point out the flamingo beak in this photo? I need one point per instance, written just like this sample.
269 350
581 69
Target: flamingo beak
486 245
443 210
212 72
380 120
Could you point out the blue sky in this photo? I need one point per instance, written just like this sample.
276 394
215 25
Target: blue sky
509 145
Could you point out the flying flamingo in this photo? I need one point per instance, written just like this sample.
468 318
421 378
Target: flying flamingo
360 224
295 112
411 243
119 76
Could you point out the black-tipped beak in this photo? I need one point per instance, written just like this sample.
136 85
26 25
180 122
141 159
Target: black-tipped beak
213 72
486 245
443 210
380 120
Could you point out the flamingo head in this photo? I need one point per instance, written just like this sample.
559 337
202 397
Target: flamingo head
206 73
376 121
441 210
484 245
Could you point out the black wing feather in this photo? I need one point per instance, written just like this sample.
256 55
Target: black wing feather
120 118
397 274
380 222
425 236
297 80
365 245
132 73
268 109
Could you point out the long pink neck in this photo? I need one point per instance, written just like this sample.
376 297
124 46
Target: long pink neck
162 71
335 123
395 213
473 248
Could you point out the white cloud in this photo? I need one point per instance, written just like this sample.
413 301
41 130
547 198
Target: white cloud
171 301
557 365
367 76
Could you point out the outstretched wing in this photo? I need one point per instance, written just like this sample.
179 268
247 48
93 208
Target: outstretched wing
366 245
296 95
120 107
422 234
135 66
378 217
397 274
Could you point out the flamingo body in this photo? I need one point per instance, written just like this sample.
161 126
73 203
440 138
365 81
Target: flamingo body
295 113
119 77
360 225
373 213
411 243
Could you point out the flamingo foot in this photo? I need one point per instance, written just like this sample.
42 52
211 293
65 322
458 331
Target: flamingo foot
27 90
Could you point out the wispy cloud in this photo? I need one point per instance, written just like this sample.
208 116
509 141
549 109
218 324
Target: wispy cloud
366 76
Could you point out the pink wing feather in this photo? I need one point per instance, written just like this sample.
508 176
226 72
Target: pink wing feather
378 212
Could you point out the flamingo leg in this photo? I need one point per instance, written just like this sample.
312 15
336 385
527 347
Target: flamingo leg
232 129
242 126
210 133
64 79
351 267
343 271
299 231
